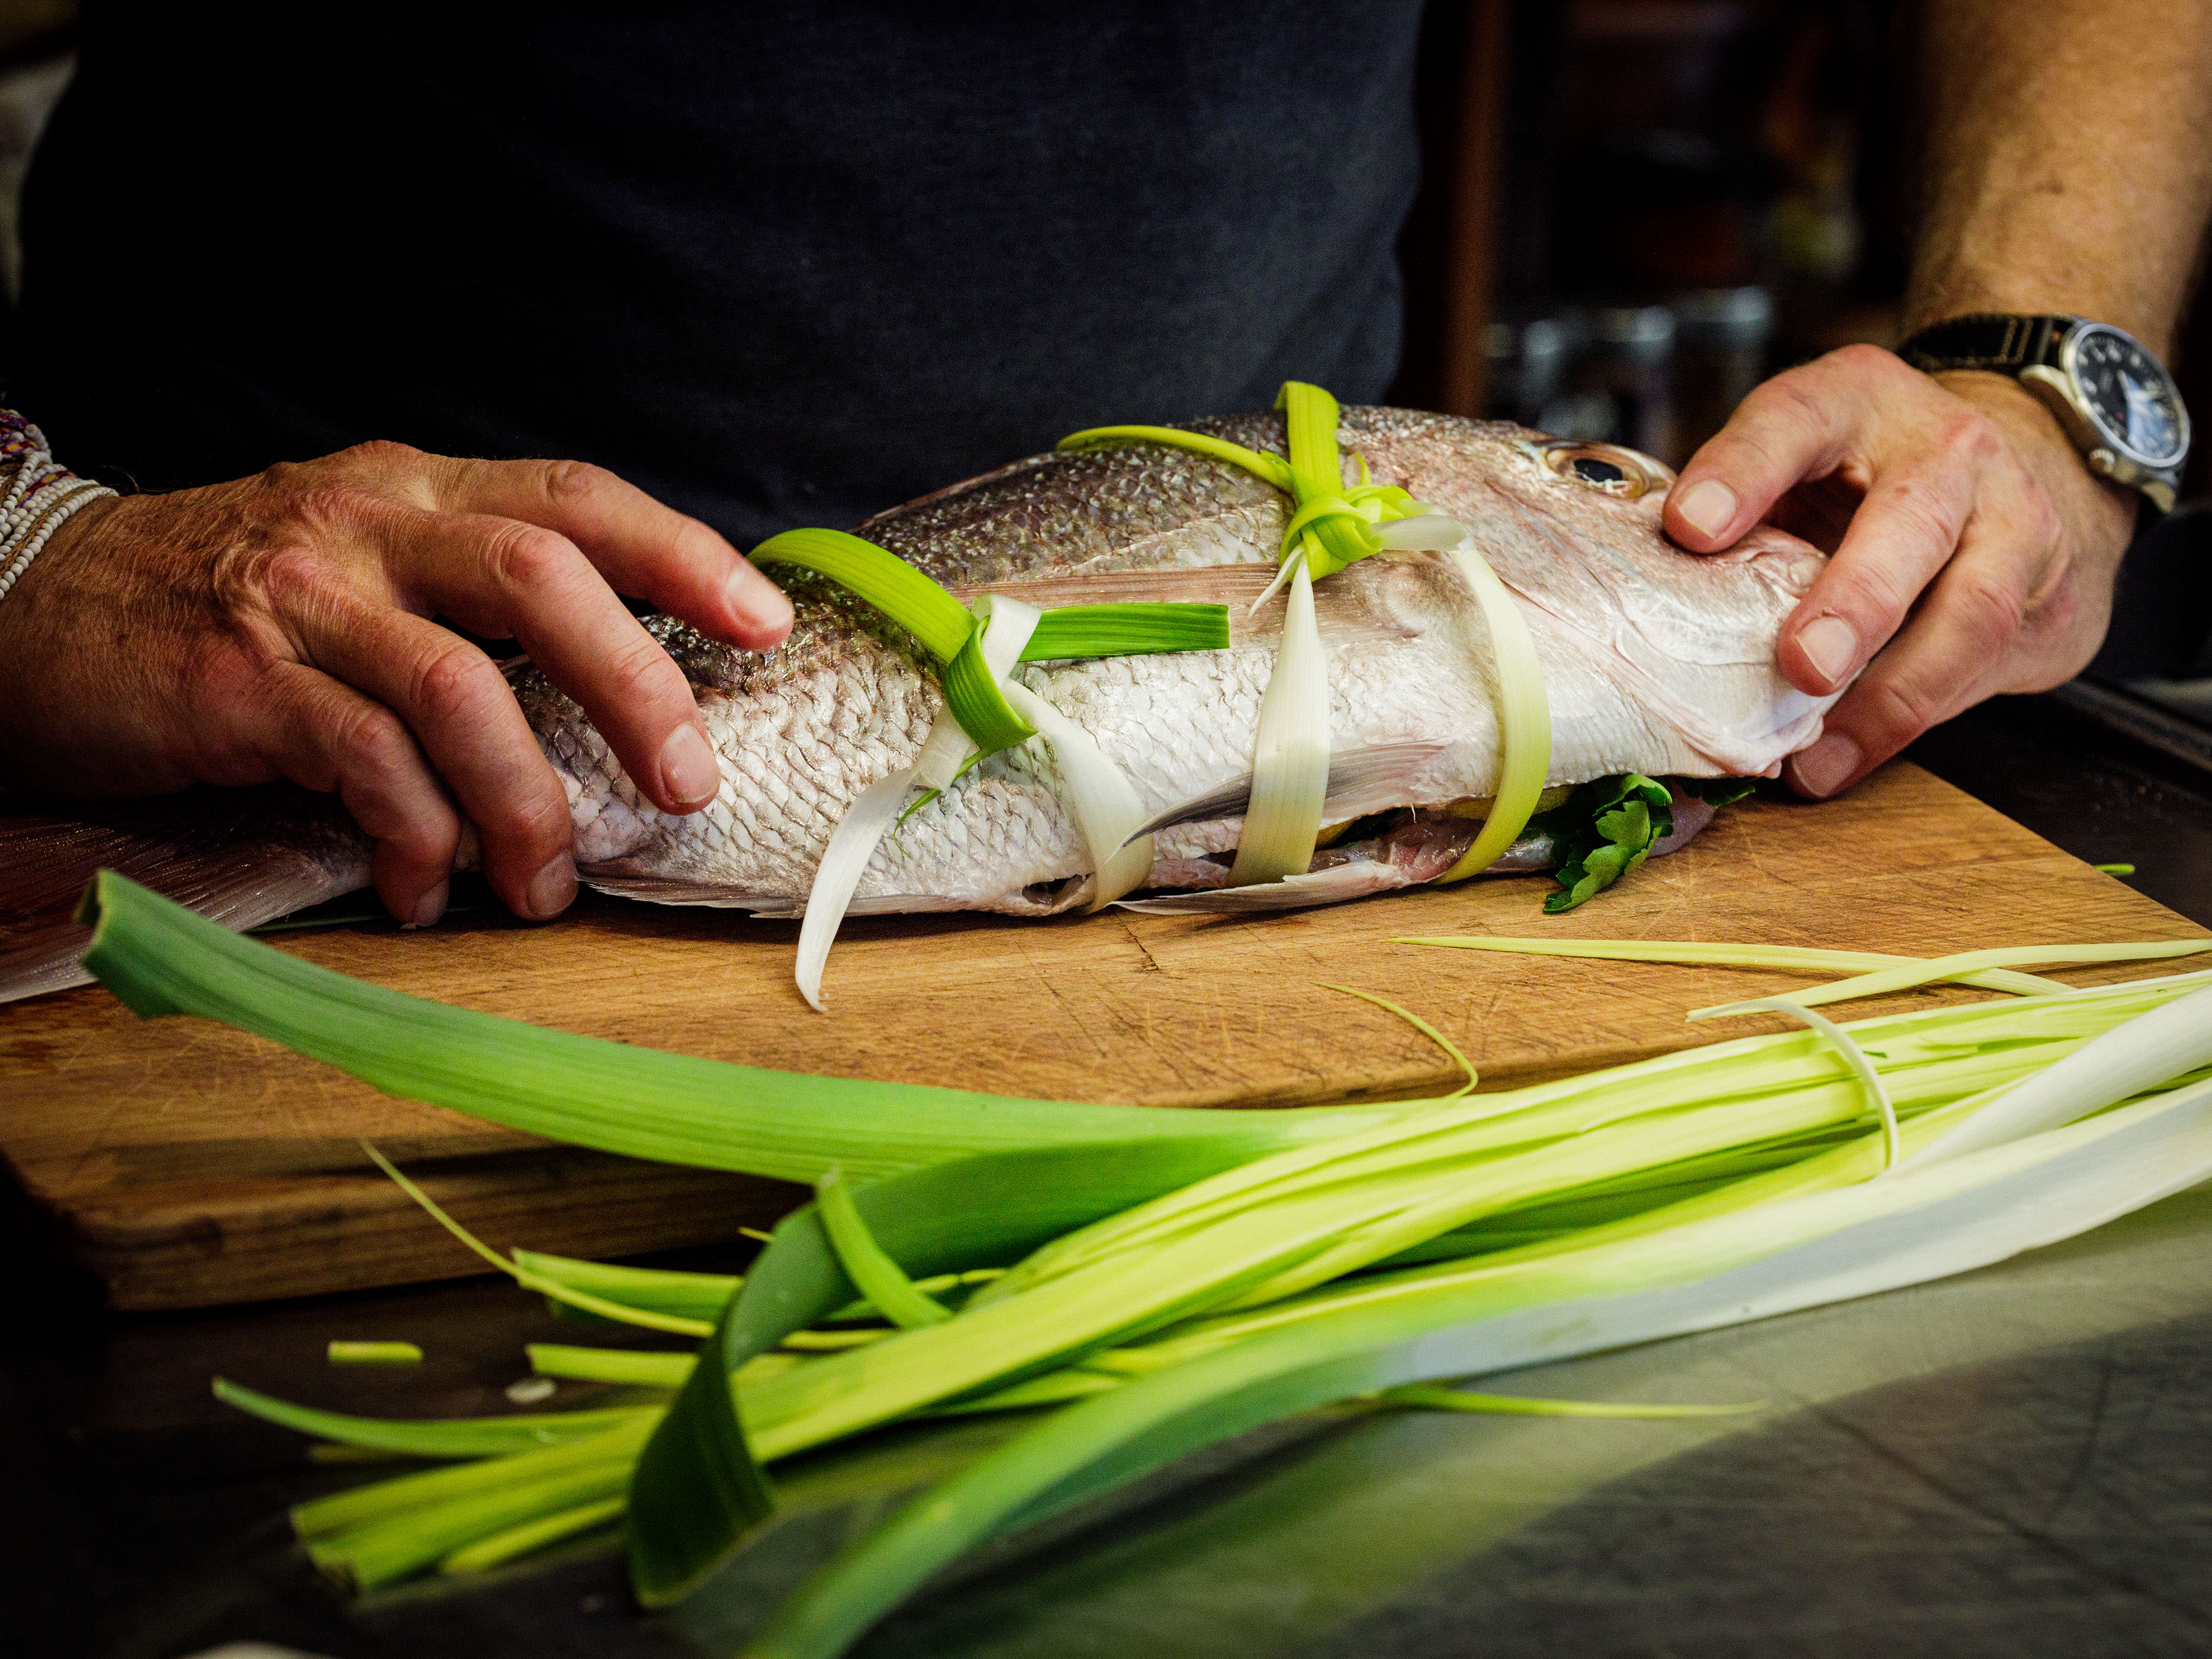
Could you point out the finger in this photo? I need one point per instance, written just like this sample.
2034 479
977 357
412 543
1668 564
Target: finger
1946 658
459 708
328 737
644 548
502 576
1905 532
1795 427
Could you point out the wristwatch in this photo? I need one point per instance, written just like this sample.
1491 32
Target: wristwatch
2116 400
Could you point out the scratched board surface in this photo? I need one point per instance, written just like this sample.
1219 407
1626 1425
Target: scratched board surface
184 1164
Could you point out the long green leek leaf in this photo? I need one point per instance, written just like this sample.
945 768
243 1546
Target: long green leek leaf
866 1263
1719 1268
457 1437
648 1290
698 1488
161 958
1426 1396
504 1546
1909 976
1698 953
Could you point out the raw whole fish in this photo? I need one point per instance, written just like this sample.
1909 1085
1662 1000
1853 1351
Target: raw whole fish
1655 661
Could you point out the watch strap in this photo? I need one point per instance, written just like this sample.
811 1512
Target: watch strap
1993 341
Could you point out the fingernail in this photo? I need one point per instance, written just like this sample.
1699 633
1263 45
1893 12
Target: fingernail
1831 645
430 906
688 774
1707 506
1822 768
552 888
750 595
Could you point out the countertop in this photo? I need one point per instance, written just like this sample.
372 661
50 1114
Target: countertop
2013 1462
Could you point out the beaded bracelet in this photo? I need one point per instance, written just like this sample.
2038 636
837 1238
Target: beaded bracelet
40 495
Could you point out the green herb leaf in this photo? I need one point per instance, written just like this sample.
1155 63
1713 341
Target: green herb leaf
1715 791
1605 829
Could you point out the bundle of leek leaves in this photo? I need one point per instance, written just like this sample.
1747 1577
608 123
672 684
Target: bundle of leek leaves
1136 1284
1129 1284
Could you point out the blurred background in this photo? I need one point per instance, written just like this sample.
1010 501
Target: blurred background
1636 209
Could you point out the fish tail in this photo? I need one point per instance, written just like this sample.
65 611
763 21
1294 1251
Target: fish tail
240 856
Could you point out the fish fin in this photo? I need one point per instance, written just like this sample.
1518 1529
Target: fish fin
239 856
1333 886
675 889
1360 781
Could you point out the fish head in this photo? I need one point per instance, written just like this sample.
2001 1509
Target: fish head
1575 529
1590 515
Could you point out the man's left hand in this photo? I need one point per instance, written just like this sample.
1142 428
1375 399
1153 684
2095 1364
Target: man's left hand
1974 551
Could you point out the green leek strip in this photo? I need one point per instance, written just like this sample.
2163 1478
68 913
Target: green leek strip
457 1438
1427 1396
550 1288
1697 953
1137 629
1271 468
1854 1056
1424 1028
382 1553
881 1279
1524 722
886 581
161 959
344 1513
372 1354
1724 1265
975 687
948 631
643 1368
1290 747
504 1546
1335 535
1909 976
649 1290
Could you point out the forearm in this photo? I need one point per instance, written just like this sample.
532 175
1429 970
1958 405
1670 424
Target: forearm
2068 159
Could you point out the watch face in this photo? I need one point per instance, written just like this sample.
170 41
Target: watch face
2130 397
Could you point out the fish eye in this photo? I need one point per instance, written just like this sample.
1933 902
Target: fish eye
1606 467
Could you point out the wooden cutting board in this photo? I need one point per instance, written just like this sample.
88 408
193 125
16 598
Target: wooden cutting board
184 1164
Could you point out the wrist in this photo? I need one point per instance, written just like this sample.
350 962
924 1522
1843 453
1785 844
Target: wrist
2102 513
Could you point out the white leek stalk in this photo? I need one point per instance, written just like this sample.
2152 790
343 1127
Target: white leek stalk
1877 1092
1099 796
2146 1051
1007 625
1524 723
1290 756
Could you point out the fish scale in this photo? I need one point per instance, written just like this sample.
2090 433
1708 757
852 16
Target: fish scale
1655 661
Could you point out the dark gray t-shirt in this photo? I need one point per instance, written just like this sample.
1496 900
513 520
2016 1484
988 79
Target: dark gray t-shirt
778 264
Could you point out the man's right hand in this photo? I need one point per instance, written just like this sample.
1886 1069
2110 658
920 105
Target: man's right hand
279 626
